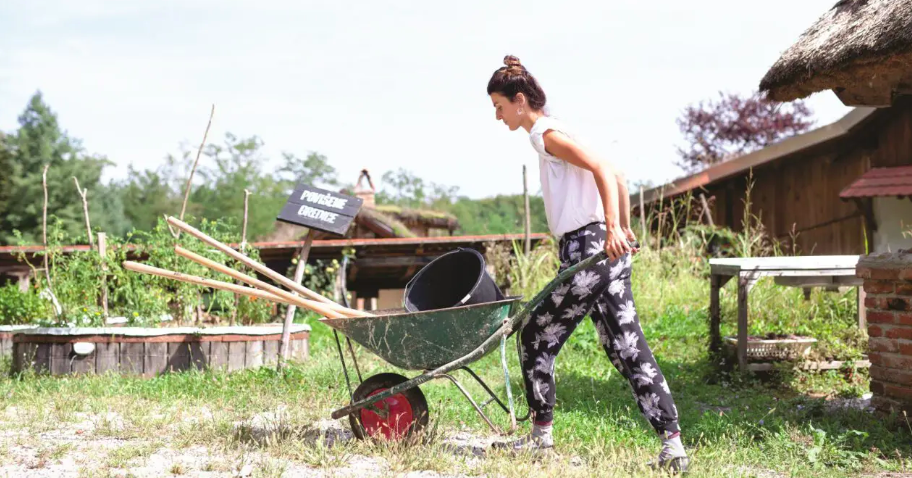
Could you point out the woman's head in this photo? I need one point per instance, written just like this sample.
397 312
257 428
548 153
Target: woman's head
515 93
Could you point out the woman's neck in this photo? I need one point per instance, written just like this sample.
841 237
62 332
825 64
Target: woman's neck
529 120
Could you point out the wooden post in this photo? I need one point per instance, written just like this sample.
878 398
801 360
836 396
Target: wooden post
103 253
709 218
44 226
244 229
289 314
862 311
85 210
717 282
528 226
745 283
643 217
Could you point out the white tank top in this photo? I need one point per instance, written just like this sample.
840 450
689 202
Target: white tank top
571 197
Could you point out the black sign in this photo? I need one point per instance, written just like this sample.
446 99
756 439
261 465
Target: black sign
320 209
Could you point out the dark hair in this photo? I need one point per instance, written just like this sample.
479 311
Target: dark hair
512 79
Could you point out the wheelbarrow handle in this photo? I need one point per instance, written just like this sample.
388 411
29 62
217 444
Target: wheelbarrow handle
519 318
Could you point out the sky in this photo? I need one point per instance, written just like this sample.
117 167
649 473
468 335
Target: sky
385 85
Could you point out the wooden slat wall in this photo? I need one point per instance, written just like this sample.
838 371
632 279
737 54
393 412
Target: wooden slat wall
803 189
153 358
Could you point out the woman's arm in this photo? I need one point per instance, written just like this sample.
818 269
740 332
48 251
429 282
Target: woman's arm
559 145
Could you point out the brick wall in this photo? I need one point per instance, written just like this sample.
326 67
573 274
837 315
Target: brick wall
888 286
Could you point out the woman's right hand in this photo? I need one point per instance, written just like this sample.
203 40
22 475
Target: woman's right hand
616 244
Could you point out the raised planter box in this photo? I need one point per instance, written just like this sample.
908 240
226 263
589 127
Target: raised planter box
152 351
6 337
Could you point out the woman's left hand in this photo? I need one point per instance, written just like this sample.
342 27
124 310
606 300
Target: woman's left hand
631 238
616 244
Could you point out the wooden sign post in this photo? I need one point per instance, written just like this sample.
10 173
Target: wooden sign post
317 210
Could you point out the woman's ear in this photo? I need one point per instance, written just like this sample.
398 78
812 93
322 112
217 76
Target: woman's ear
519 99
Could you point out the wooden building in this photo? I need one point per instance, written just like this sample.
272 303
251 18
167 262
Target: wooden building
797 185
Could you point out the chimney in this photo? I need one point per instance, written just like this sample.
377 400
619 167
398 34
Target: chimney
364 193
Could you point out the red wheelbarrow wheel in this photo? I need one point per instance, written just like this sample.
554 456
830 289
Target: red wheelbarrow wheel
393 418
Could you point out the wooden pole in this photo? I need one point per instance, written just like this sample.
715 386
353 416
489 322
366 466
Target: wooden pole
281 279
85 210
214 284
290 312
195 163
44 227
103 253
317 307
643 217
705 204
528 226
244 229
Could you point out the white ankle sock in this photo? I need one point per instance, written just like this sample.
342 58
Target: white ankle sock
672 447
540 431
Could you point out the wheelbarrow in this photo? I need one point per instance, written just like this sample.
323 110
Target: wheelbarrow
437 342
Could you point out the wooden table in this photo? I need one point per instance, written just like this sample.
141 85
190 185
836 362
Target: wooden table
796 271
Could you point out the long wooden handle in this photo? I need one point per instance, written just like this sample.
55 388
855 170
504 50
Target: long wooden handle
261 268
237 289
254 281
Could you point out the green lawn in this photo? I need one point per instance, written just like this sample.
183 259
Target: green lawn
784 424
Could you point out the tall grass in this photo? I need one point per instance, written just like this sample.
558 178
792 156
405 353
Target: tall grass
671 277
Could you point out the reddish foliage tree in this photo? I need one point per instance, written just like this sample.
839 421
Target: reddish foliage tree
734 125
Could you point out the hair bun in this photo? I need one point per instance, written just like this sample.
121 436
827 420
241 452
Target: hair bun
511 61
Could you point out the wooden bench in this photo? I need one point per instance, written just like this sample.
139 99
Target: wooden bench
794 271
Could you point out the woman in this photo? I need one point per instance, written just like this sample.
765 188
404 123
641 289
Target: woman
587 207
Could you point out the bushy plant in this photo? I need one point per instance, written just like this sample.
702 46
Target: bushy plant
17 307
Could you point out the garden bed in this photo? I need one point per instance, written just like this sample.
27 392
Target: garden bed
6 337
152 351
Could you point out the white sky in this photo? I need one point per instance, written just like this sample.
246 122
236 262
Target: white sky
382 85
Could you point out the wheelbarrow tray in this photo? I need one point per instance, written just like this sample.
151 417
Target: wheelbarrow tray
426 340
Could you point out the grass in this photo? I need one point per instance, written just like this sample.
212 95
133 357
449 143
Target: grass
782 424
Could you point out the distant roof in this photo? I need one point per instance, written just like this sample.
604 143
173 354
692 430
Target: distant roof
859 48
848 123
879 182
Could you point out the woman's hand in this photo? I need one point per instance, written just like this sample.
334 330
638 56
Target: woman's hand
616 242
631 238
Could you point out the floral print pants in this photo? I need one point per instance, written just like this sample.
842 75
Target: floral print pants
602 292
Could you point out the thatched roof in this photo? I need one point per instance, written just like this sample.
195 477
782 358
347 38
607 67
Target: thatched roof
423 217
861 49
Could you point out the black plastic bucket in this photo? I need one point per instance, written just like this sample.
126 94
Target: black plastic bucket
454 279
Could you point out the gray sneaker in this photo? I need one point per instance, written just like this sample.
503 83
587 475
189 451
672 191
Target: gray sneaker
528 443
677 465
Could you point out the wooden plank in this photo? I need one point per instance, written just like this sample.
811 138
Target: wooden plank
217 358
155 359
83 364
107 358
17 357
300 350
271 352
254 354
809 365
812 264
6 345
237 351
60 358
42 360
178 356
131 358
28 353
199 354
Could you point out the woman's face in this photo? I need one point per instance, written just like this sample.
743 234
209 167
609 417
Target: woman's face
508 111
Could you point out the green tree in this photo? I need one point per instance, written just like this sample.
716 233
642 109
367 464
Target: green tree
40 141
314 169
